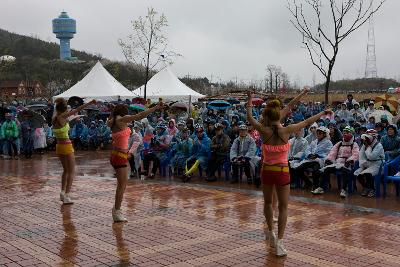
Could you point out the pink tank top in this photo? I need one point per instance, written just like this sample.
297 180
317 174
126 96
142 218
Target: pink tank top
121 138
275 154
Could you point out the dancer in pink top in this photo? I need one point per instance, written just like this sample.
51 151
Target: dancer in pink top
119 155
274 169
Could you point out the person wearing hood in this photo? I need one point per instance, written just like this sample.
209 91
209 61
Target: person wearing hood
172 130
190 125
371 157
371 109
391 143
135 145
344 113
312 133
342 157
183 150
79 134
200 153
104 134
334 133
158 150
9 132
315 155
380 129
298 145
27 134
93 134
220 145
371 123
357 112
243 153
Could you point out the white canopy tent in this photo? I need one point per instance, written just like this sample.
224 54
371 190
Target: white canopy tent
98 84
167 86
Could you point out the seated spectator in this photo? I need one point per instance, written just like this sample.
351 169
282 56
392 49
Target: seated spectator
380 130
234 132
334 133
220 145
135 147
344 113
298 145
315 155
158 151
360 131
172 130
79 134
243 153
200 153
312 133
391 143
93 134
356 112
104 134
371 123
342 157
297 115
370 109
183 150
371 157
50 139
350 102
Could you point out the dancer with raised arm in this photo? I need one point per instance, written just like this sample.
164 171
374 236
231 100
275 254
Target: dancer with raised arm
274 169
119 155
64 148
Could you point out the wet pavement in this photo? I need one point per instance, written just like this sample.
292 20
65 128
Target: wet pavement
175 224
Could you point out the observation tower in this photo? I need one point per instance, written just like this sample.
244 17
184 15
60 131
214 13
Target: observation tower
64 28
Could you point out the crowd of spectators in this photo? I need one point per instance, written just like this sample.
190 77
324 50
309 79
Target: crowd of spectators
351 142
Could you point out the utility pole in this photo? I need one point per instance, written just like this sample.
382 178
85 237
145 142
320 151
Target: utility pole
370 64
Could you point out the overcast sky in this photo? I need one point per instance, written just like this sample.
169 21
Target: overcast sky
221 39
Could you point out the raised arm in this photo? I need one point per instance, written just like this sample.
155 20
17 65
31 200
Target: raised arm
293 102
292 128
141 115
76 110
249 107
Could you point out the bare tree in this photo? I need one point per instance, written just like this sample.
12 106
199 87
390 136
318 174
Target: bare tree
147 46
270 75
323 41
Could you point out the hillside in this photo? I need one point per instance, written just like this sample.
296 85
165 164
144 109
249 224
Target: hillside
357 85
38 60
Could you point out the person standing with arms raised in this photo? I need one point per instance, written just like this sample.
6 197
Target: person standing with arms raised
274 169
64 149
118 123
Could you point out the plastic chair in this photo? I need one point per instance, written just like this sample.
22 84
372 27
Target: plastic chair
394 165
352 185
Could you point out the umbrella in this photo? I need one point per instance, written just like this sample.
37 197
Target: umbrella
257 101
36 119
219 105
75 101
378 114
233 101
387 100
37 106
137 107
179 106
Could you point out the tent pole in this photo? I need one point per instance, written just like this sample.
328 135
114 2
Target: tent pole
190 106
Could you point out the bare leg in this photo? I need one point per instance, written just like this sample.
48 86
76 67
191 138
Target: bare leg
70 160
283 201
274 202
122 178
63 160
268 213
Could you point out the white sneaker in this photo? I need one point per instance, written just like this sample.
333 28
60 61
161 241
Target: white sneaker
272 239
280 248
274 219
117 216
318 191
343 193
62 195
67 199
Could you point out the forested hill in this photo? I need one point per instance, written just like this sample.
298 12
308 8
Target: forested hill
363 84
39 60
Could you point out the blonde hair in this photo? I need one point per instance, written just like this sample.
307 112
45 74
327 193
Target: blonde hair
271 111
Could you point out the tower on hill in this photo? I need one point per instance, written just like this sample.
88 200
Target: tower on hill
64 28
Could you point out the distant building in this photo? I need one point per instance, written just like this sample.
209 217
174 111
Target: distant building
10 90
64 28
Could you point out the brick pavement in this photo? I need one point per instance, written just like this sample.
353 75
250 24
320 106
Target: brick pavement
173 224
